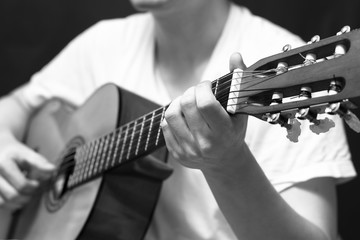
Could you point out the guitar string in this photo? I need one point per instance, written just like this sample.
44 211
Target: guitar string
118 131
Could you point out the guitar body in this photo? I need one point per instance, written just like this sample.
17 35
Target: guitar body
118 205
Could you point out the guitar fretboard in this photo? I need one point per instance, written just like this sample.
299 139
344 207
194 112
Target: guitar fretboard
129 142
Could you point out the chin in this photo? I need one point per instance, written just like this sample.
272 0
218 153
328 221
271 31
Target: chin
147 5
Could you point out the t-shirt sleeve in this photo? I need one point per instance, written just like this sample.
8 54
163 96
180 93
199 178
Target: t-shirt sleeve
68 76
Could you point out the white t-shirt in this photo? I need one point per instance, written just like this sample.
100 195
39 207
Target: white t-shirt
121 51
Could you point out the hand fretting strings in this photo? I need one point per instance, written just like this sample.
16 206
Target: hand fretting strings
122 133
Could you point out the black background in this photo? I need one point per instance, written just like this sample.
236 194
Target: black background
33 32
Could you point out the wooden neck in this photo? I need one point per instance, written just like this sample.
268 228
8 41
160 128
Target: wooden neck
131 141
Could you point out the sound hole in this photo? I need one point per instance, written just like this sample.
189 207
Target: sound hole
58 193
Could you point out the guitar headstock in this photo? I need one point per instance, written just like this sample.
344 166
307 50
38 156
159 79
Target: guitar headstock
299 84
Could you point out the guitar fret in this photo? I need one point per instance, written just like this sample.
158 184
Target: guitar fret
140 135
131 139
72 177
99 155
150 129
88 151
77 170
103 152
216 86
83 163
124 141
159 129
78 163
91 163
95 157
117 144
89 160
110 149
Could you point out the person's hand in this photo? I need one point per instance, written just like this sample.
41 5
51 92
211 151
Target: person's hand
21 172
198 131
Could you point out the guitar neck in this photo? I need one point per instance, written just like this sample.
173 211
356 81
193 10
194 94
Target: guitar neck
128 142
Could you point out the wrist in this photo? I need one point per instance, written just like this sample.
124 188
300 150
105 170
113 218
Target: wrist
232 163
6 135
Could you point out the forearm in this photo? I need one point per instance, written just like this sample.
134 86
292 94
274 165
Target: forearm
252 206
14 117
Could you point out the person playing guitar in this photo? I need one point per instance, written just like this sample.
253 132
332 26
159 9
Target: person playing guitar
233 176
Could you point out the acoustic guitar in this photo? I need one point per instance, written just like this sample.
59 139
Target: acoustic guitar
109 174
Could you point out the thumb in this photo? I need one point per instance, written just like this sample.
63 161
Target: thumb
236 61
35 165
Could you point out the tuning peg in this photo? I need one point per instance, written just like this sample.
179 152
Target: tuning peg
286 48
310 58
322 125
292 125
335 87
275 118
314 39
282 67
349 117
293 130
343 30
318 125
352 121
305 113
340 49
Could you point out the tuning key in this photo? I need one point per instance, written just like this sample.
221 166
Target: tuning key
340 48
352 121
276 118
282 67
293 130
318 125
340 108
349 117
286 48
292 125
322 125
314 39
310 58
306 113
343 30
